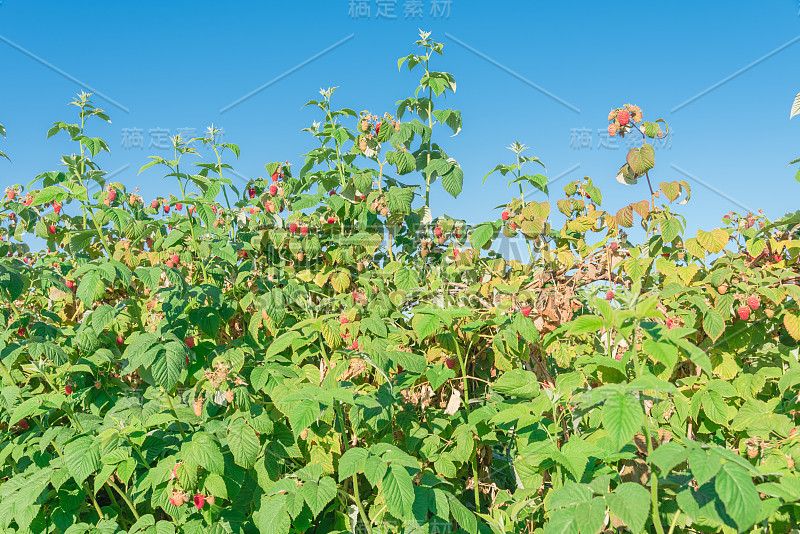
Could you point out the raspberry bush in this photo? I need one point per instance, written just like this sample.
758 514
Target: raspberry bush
322 352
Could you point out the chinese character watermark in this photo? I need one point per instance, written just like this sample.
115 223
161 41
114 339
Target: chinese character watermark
587 139
389 9
161 138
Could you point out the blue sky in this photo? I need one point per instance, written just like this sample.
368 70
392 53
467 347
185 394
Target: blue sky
175 65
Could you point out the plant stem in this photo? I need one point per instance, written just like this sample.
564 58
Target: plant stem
125 498
361 512
94 501
174 414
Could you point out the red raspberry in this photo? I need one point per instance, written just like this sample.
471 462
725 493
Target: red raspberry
57 207
304 230
175 259
120 340
70 284
614 245
166 208
792 432
68 389
292 228
437 232
199 500
526 311
275 176
344 320
623 117
11 196
190 342
112 195
252 192
154 204
505 215
355 344
331 220
179 206
52 229
170 264
753 302
252 211
609 295
512 226
273 190
450 363
744 313
456 252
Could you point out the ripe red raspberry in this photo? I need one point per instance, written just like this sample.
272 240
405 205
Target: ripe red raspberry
331 220
344 320
57 207
512 226
273 190
252 192
744 313
623 117
292 227
154 204
52 229
190 342
450 363
199 500
614 245
112 195
753 302
179 206
12 194
505 215
70 284
120 340
252 211
304 230
526 311
355 344
609 295
68 389
456 252
437 232
166 208
275 176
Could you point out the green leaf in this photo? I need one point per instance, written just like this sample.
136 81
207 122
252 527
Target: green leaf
590 516
714 407
517 383
168 364
404 161
398 491
736 489
243 443
667 456
303 414
272 516
622 417
453 181
82 458
568 495
631 503
465 518
319 494
585 324
641 159
713 324
481 235
425 325
398 200
352 462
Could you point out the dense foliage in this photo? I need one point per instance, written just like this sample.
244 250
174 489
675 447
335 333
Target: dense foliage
320 353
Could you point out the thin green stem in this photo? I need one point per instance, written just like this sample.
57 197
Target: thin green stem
174 414
125 497
361 512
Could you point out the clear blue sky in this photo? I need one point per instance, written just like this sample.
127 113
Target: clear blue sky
175 65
